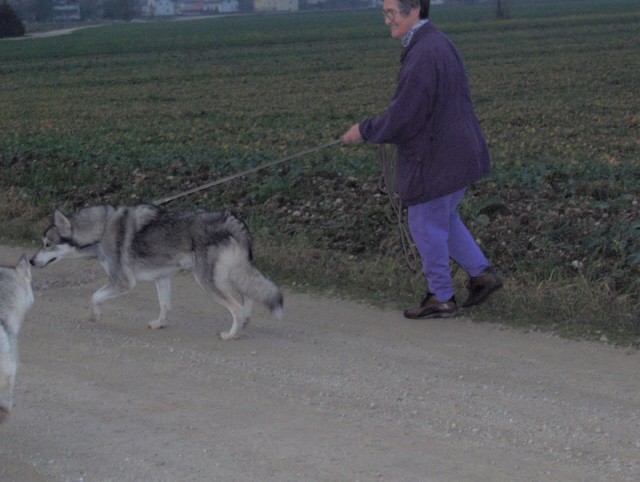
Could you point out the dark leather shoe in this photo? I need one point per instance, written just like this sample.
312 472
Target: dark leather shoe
432 308
480 287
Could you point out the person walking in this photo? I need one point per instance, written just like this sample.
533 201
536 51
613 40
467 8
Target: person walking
441 151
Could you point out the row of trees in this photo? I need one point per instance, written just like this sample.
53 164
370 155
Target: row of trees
10 23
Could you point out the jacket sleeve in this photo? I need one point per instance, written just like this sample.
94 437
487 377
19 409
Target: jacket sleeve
410 107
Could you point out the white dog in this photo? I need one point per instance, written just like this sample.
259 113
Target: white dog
16 297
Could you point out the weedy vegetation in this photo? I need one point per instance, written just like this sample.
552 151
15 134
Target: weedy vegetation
129 113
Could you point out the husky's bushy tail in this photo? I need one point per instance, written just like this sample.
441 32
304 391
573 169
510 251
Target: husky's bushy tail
250 282
227 253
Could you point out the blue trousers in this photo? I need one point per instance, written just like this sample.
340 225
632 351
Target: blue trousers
439 234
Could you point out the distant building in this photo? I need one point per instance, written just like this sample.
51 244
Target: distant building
206 7
64 10
276 5
158 8
378 3
227 6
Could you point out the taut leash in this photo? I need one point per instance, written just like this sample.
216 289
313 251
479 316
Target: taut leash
209 185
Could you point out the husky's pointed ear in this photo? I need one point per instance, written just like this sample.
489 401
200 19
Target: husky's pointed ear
62 222
23 267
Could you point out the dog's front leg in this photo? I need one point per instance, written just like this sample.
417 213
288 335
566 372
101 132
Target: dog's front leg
8 367
163 287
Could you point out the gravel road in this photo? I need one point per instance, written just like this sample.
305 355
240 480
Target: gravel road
336 391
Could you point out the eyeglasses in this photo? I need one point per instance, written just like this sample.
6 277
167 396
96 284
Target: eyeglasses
390 14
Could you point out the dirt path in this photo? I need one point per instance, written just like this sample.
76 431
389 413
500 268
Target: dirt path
52 33
336 391
70 30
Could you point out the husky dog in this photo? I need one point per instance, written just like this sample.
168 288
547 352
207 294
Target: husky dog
16 297
146 243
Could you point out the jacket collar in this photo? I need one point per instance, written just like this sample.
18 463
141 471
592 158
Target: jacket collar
409 35
426 29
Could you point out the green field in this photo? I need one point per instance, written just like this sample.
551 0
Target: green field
125 113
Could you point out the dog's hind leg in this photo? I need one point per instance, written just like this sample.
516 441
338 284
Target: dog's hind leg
163 287
238 315
103 294
223 295
247 308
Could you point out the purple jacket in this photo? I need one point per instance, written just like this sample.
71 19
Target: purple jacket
441 147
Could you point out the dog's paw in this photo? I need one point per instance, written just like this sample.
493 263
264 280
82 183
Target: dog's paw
156 324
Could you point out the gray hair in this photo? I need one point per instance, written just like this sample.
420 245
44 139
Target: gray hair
405 6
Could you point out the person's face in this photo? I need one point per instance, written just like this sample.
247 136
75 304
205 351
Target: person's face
400 24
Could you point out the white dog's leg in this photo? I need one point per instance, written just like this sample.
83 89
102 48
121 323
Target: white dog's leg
163 287
8 367
103 294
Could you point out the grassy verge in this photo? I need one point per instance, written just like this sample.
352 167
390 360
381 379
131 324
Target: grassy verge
575 306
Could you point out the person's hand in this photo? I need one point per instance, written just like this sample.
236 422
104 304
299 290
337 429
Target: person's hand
352 136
